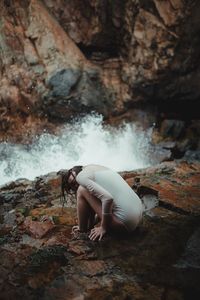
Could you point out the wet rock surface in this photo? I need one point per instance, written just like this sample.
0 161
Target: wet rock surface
63 58
160 260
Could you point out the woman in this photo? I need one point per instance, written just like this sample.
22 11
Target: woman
103 192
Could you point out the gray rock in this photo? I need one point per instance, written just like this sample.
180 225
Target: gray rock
149 201
172 128
62 82
160 154
191 255
192 155
93 95
72 92
10 218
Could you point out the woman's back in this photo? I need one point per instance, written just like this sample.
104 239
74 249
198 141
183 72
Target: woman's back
102 179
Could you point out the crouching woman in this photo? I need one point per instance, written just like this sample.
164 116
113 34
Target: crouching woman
102 193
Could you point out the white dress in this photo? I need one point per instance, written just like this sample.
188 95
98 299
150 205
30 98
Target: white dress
106 184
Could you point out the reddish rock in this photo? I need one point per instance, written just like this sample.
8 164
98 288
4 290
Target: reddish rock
62 216
61 237
155 261
54 47
79 247
92 267
177 184
38 229
170 11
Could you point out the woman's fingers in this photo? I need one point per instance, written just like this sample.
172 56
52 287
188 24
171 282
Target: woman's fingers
94 230
94 234
91 234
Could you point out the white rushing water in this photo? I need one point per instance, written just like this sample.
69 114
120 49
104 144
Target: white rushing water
86 141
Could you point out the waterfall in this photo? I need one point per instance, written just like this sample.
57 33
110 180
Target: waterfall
82 142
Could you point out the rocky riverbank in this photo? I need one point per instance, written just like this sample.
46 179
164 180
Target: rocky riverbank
160 260
127 60
60 59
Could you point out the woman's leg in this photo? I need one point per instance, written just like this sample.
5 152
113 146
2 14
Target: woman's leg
88 204
83 213
91 220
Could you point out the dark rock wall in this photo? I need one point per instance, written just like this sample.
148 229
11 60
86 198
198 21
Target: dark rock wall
156 43
62 57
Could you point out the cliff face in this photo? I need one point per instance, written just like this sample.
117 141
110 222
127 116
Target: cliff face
62 57
147 50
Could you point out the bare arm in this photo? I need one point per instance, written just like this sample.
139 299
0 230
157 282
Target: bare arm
106 213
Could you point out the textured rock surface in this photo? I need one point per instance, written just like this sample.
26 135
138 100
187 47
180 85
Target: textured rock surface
159 261
173 183
59 58
62 57
43 72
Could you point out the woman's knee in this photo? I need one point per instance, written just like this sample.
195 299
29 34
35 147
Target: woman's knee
81 192
84 195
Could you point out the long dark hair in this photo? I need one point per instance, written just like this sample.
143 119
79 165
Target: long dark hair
65 185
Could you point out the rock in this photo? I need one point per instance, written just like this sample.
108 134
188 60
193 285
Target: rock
79 247
12 198
19 184
192 155
191 256
168 11
159 259
46 68
172 128
93 268
31 241
175 183
38 229
65 66
63 81
149 202
53 45
62 216
176 136
60 237
19 193
60 59
159 153
188 265
48 187
30 53
10 219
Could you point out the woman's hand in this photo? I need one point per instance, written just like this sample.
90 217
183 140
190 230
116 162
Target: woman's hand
97 232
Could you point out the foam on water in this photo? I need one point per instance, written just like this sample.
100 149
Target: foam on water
83 142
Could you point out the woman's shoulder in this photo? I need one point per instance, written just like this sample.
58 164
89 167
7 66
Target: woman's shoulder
95 167
88 172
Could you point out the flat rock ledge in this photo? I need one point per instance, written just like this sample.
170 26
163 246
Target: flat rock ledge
160 260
